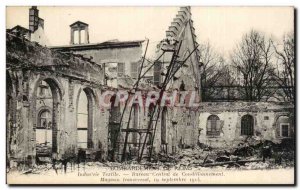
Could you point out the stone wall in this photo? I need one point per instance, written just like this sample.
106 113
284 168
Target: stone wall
266 116
68 75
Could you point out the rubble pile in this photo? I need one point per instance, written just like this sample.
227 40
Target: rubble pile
248 155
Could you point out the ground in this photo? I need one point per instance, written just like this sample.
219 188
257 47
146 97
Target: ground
266 155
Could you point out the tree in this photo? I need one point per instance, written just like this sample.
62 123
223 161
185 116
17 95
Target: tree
216 75
252 59
284 73
214 68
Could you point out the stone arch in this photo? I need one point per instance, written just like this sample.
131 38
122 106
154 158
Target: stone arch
85 133
54 84
56 96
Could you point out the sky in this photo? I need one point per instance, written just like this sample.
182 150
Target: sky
222 27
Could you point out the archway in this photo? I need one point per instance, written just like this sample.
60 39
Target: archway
84 117
247 125
48 97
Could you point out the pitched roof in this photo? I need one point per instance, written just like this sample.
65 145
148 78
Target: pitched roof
103 45
79 23
19 28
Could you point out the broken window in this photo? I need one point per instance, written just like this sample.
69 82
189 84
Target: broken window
247 125
121 69
213 126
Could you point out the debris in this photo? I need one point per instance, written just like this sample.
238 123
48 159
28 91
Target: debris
222 159
244 150
229 162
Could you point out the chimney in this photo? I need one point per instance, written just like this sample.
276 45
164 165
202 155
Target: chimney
33 18
79 33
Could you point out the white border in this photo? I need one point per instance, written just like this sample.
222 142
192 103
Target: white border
5 3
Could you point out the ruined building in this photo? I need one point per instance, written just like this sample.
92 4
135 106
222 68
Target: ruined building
54 110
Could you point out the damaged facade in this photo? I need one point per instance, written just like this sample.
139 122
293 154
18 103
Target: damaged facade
54 110
228 124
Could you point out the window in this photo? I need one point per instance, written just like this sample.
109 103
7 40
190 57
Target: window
82 36
76 37
85 119
213 125
247 125
121 69
266 118
284 129
135 69
82 121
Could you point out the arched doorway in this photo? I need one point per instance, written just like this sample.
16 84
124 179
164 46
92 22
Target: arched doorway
48 97
247 125
85 122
